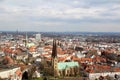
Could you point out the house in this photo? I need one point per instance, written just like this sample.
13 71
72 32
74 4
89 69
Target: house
93 76
8 69
21 56
11 73
36 74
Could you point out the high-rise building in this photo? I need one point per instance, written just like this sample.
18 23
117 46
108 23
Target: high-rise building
38 37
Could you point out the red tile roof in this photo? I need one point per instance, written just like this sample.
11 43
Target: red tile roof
9 60
18 72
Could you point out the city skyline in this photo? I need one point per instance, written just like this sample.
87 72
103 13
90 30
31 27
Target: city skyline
60 15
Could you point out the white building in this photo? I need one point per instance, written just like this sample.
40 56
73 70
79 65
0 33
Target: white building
93 76
11 74
38 37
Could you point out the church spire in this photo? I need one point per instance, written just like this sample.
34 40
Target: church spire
54 59
26 39
54 50
26 36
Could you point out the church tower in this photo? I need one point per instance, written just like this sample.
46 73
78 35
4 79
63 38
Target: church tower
54 60
26 39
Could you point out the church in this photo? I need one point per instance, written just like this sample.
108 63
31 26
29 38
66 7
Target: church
61 68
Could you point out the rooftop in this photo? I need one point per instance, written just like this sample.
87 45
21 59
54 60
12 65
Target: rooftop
64 65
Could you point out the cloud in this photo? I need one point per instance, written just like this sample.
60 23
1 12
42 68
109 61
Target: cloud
1 0
29 13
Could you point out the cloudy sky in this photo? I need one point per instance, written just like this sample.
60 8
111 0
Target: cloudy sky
60 15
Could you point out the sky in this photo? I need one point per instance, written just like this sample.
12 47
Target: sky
60 15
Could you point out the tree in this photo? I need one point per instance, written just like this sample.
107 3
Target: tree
1 78
101 78
25 75
109 78
31 71
96 79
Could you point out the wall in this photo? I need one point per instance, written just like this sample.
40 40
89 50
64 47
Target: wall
97 75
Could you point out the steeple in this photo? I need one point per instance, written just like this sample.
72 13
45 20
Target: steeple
26 36
54 50
17 32
26 39
54 59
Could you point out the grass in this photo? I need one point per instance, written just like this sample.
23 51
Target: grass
60 78
38 79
